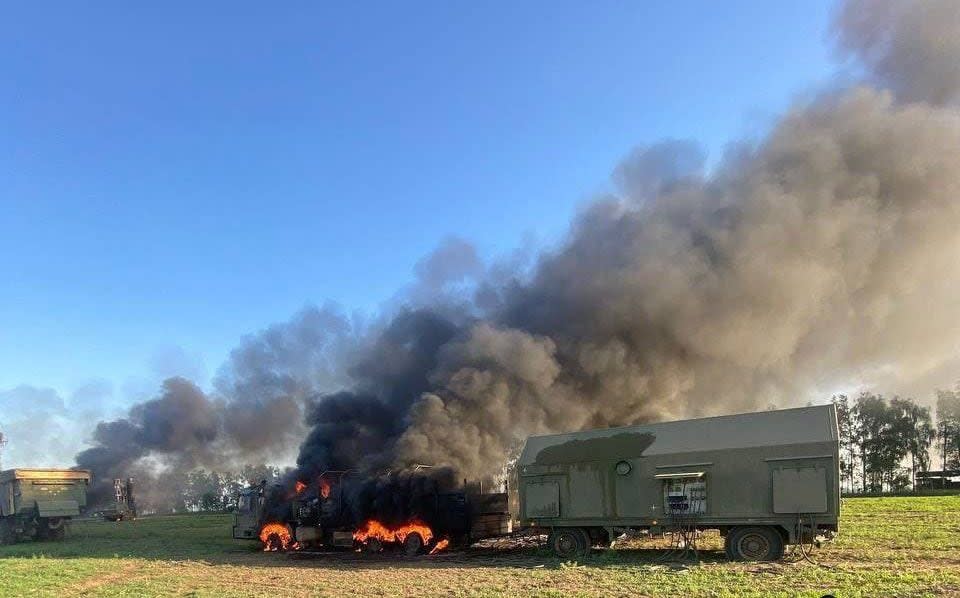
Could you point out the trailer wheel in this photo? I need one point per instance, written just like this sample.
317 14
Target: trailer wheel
754 544
413 544
568 542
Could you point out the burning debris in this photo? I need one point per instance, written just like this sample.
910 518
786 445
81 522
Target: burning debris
324 488
441 545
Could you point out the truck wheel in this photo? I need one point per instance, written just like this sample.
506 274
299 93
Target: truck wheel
6 532
56 529
754 544
40 530
568 542
413 544
373 545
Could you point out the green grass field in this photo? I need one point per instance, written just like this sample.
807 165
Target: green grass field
887 547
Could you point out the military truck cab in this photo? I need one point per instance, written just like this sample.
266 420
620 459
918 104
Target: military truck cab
248 517
764 480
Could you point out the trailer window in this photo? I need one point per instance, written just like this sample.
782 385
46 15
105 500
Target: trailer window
244 503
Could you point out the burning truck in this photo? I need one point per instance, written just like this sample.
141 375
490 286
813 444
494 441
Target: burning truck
417 511
764 480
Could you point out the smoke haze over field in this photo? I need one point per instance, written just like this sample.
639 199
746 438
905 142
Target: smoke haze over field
819 257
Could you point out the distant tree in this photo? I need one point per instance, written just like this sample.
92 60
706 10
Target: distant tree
254 474
948 427
881 449
868 412
848 446
913 432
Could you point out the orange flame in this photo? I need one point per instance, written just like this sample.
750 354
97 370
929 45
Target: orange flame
324 489
299 487
277 536
375 529
440 546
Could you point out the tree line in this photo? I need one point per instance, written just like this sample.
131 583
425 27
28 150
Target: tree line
885 443
179 491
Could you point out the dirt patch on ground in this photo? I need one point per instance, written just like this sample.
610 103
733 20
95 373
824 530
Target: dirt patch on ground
92 584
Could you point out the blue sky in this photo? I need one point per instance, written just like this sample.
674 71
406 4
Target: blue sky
177 175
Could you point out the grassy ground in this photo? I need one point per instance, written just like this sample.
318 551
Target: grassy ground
887 547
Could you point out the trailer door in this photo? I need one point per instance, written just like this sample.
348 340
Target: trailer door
800 489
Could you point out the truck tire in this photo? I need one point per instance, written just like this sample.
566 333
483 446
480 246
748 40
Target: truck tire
56 528
754 544
568 542
6 532
413 544
373 546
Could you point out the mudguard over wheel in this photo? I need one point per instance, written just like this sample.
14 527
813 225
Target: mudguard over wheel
754 544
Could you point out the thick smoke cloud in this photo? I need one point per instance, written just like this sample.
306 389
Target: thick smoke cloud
823 254
269 378
255 414
350 428
819 257
181 425
910 48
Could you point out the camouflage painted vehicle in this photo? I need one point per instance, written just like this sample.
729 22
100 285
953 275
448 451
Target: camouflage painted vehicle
764 480
38 503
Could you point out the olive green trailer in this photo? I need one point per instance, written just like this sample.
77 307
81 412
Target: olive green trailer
764 480
37 503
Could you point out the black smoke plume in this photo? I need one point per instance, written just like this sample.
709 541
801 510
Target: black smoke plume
181 424
820 256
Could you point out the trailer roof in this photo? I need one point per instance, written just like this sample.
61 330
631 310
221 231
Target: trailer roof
44 474
803 425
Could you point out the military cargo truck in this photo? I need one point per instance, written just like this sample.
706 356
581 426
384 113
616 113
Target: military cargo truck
318 517
37 503
764 480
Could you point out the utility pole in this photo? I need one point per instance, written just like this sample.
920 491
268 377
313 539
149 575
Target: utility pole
3 442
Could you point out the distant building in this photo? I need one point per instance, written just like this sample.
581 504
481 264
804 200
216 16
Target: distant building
939 480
